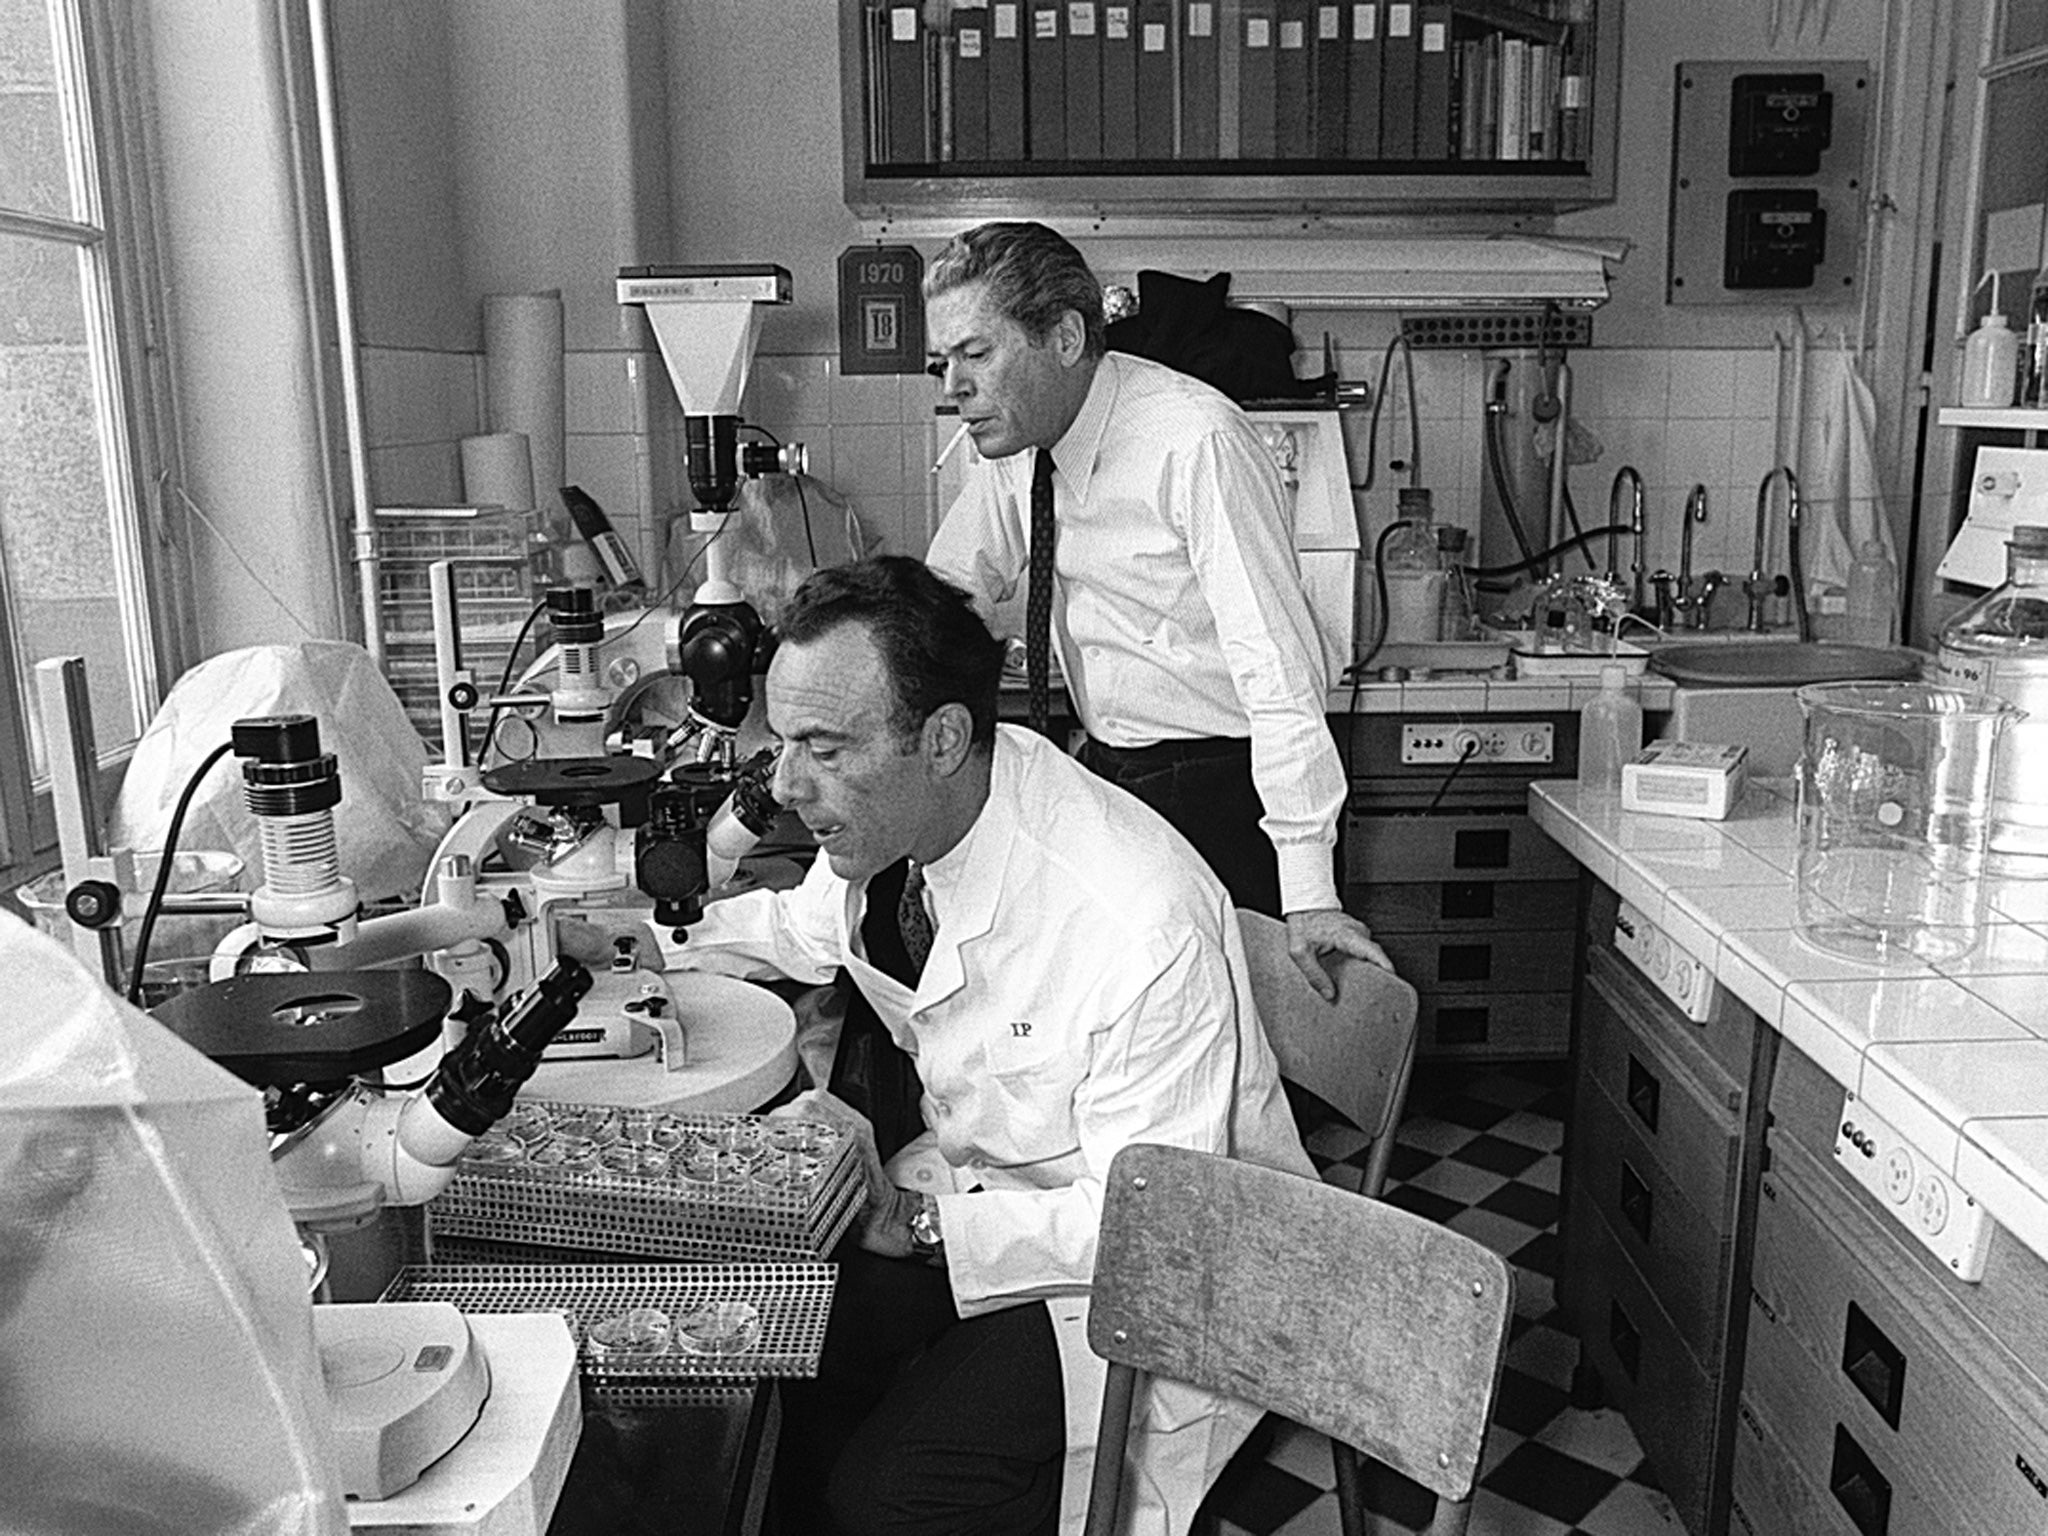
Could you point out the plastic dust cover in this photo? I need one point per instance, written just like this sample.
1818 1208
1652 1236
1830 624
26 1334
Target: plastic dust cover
157 1364
385 834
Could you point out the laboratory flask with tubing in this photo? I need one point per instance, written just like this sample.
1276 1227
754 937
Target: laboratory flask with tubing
1999 644
1894 796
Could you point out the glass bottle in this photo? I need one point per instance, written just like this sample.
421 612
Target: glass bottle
1458 621
1873 596
1610 732
1414 578
1999 645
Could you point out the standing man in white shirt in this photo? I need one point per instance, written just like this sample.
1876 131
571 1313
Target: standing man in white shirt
1082 986
1172 596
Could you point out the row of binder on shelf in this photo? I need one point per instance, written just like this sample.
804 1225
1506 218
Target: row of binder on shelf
999 82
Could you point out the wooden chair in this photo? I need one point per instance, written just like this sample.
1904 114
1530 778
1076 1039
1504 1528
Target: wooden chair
1355 1054
1383 1330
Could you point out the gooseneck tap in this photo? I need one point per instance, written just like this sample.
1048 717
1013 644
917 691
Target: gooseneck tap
1760 586
1627 475
1690 601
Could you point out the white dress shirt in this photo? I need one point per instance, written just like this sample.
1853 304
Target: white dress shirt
1178 609
1086 988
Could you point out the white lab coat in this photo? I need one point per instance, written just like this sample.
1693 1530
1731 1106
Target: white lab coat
1086 989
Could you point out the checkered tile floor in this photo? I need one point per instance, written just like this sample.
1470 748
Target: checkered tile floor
1478 1151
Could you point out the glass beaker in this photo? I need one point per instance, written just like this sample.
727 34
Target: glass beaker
1894 818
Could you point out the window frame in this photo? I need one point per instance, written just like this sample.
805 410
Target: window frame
98 45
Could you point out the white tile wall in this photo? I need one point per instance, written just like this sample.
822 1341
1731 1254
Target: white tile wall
1678 417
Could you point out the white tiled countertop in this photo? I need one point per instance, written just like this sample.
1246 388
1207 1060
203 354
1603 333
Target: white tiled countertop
1954 1055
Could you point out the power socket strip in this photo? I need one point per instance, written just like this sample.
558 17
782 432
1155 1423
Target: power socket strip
1507 741
1929 1203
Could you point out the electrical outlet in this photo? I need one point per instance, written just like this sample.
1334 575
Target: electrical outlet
1926 1201
1506 741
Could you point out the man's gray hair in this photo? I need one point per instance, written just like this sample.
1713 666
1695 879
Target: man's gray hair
1034 276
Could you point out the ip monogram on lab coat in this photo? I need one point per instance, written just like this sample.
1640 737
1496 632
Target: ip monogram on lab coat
1086 989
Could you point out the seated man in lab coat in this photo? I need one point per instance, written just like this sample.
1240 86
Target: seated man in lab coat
1084 988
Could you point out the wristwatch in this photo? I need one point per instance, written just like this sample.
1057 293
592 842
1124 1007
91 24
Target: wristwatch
924 1229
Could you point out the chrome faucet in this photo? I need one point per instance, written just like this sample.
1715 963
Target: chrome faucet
1690 601
1627 473
1761 586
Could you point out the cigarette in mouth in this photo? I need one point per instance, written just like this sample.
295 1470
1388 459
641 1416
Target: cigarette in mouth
946 453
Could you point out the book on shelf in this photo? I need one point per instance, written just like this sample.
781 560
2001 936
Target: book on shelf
1435 108
1513 114
1084 80
1293 80
1200 87
969 53
1329 81
1158 108
904 72
1362 104
1257 77
1119 81
1007 102
1229 61
1397 81
1045 82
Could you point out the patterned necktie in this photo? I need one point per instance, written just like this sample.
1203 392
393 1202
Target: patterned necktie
914 921
1038 600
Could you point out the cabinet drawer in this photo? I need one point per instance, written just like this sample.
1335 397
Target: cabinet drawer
1496 1025
1725 1041
1774 1496
1680 1246
1670 1400
1459 906
1488 845
1482 962
1844 1333
1692 1129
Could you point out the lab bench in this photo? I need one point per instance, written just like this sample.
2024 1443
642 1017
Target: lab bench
1805 1214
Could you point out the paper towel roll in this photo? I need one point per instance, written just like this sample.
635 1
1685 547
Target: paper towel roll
523 390
497 470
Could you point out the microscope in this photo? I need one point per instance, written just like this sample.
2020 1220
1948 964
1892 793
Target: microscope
706 320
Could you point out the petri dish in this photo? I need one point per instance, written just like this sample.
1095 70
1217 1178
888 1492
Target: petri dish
637 1333
563 1155
719 1328
495 1150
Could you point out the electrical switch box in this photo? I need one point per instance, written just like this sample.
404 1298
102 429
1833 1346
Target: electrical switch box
1768 181
1779 125
1775 237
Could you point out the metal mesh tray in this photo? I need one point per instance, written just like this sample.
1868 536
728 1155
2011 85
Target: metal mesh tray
711 1189
786 1307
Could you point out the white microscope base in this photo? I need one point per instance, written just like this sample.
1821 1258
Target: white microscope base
504 1477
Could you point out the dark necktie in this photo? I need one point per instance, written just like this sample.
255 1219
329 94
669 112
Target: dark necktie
914 921
1038 600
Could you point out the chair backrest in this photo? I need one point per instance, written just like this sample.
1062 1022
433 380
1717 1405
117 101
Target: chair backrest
1382 1329
1355 1054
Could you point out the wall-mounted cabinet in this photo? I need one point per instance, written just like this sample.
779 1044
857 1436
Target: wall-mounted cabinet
1277 106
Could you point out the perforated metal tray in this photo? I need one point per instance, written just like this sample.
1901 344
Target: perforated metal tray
791 1303
513 1187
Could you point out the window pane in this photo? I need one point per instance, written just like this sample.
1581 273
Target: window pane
58 542
33 178
2026 25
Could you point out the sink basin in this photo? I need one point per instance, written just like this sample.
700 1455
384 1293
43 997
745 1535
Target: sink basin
1784 663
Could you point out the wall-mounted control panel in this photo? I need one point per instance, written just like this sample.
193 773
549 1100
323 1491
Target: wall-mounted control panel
1507 741
1676 971
1768 181
1906 1183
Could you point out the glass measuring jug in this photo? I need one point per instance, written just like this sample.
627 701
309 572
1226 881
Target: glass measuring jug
1895 817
